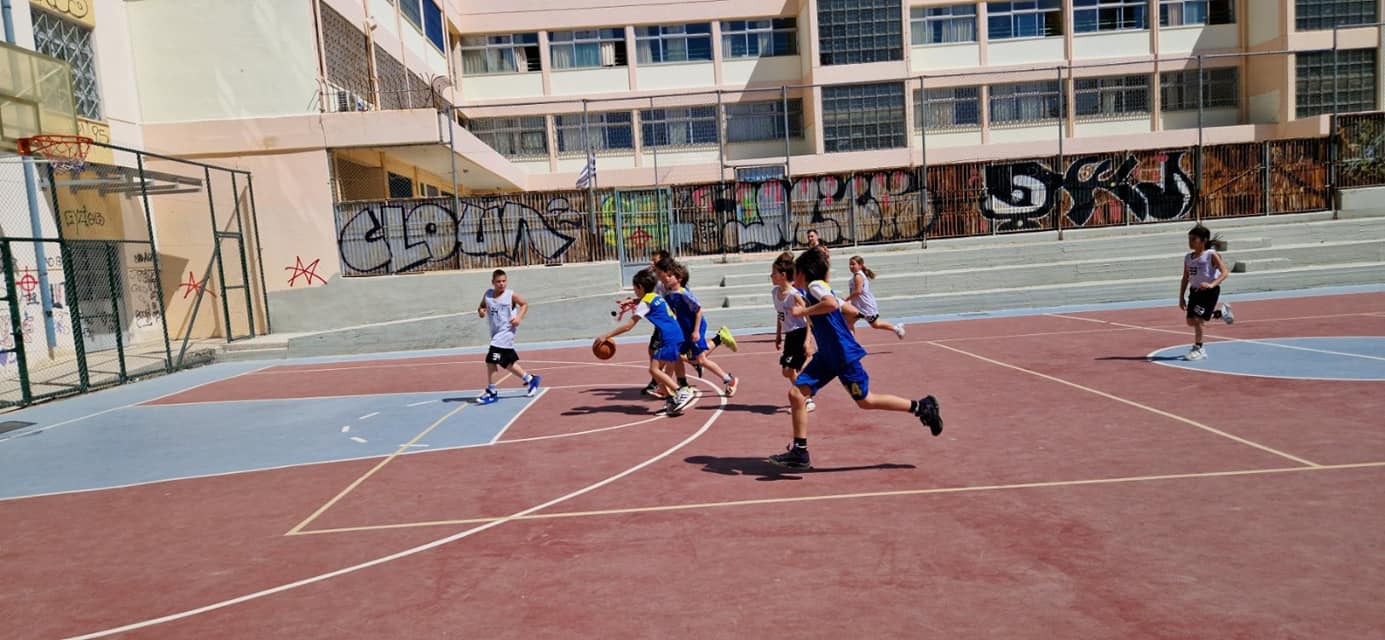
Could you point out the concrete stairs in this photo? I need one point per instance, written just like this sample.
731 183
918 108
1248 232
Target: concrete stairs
969 275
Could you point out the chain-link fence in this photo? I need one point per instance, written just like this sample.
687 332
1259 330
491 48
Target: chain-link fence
93 297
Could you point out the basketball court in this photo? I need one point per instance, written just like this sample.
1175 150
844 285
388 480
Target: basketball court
1088 483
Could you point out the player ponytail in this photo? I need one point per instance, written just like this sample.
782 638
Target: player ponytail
1209 241
864 269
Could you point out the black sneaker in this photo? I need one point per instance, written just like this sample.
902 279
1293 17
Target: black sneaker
698 368
930 415
671 408
795 457
652 390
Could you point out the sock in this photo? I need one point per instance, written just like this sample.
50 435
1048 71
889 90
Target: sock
800 443
914 406
682 382
716 340
490 388
1216 314
528 377
1198 345
727 378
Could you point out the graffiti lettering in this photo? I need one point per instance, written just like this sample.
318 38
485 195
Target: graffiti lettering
1019 194
307 272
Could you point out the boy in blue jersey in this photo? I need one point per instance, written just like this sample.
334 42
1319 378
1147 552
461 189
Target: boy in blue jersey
654 308
838 356
688 310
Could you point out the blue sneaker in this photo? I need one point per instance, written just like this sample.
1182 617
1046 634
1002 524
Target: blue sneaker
488 397
533 386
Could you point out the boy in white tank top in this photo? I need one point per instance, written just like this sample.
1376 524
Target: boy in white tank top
504 309
1203 273
790 331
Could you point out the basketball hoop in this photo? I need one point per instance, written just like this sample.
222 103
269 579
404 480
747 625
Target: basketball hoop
64 152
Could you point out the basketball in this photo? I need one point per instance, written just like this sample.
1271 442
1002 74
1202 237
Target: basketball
604 349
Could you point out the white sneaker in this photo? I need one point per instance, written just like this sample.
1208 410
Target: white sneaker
683 398
1226 314
812 406
1196 353
899 330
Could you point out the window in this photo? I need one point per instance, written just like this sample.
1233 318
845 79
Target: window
1325 14
413 11
1220 88
1029 19
951 108
757 121
1090 16
938 25
1115 96
71 43
401 186
609 130
673 43
680 127
1355 86
523 137
517 53
432 25
588 48
759 38
1175 13
1024 102
858 31
760 174
863 116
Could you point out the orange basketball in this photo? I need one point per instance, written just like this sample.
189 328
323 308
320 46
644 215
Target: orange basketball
604 349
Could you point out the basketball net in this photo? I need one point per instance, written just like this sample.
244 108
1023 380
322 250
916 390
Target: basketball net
63 152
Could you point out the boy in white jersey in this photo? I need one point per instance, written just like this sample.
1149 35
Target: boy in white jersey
864 300
506 310
1203 273
790 331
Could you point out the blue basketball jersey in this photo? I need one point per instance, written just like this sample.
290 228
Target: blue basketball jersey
836 344
655 309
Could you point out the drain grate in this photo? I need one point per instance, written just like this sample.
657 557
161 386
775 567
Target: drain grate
13 425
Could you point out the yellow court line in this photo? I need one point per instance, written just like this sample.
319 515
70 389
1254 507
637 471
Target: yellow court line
1132 403
853 496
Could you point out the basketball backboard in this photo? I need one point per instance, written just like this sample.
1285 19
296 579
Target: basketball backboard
35 96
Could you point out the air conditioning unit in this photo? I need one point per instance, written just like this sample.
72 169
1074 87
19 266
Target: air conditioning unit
347 101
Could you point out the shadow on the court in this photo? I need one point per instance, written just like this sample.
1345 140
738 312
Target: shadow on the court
766 471
1141 358
760 409
621 393
626 409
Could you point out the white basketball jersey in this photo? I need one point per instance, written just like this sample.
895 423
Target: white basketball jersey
499 310
1200 269
784 307
866 302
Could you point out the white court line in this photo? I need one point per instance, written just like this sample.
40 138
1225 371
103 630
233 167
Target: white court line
395 365
368 416
358 439
1067 317
415 404
516 416
1264 341
414 550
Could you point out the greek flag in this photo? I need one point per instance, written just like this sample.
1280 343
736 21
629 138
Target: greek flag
588 174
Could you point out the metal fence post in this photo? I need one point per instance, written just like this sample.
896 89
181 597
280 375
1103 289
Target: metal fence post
1197 167
154 255
1265 178
1062 123
26 393
74 306
922 118
216 255
259 251
1332 149
114 288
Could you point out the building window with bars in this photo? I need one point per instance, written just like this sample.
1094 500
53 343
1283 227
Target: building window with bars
942 25
587 48
401 186
761 121
1025 102
609 131
1178 90
1311 15
1091 16
522 137
950 108
863 116
1177 13
1112 97
674 43
509 53
1355 88
1029 19
71 43
679 127
759 38
860 31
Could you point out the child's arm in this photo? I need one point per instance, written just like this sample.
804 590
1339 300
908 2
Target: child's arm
1183 289
697 325
481 308
826 305
856 287
1221 267
523 307
778 331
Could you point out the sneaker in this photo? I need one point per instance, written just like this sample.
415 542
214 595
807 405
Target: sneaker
533 386
795 457
1196 353
488 397
930 415
683 398
1226 315
899 330
812 406
652 390
731 386
671 407
726 338
698 369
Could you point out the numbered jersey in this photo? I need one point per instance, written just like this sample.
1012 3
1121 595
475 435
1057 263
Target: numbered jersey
783 306
499 310
1201 268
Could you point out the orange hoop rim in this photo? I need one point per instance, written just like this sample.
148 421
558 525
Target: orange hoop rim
56 147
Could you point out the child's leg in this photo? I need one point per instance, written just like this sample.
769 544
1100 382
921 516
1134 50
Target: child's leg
518 371
711 365
885 402
656 371
798 409
1197 329
491 371
877 323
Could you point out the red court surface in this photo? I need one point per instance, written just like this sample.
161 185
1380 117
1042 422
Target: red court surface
1077 491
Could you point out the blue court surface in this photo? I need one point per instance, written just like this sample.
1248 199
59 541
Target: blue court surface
1358 358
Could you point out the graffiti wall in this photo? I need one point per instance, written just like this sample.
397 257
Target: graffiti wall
891 205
